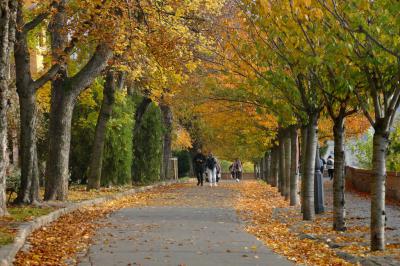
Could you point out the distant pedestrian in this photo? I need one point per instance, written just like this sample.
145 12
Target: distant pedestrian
237 169
232 171
211 164
199 162
330 166
323 163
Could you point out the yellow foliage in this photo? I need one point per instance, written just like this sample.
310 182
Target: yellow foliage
182 140
43 98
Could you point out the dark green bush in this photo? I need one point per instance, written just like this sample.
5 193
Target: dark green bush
118 145
118 148
148 147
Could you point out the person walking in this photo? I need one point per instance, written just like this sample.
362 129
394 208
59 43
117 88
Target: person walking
323 163
199 162
211 164
232 171
237 169
330 166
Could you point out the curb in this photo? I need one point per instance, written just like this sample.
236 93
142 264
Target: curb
8 252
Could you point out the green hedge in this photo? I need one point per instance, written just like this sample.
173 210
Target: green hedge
148 147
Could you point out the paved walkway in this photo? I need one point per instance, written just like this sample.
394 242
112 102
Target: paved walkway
359 214
353 244
189 226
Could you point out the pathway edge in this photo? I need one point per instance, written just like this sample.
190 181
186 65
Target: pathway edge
8 252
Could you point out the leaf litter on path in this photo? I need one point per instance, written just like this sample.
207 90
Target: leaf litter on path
60 241
254 201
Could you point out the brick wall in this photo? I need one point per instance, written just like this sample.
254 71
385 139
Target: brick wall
360 180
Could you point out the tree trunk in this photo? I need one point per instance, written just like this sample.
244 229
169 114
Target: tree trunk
282 164
65 90
262 168
378 213
268 167
57 172
35 184
319 203
28 113
294 167
139 113
274 166
288 158
167 117
7 29
304 137
14 145
96 161
339 211
29 176
309 170
3 135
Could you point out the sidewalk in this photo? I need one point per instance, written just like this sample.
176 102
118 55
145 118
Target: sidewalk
352 245
181 224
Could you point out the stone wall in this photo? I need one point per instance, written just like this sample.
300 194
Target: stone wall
360 180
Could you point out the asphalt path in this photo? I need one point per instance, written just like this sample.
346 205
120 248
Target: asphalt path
198 229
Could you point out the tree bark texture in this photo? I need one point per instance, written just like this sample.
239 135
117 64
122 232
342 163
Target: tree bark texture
57 174
29 163
309 170
274 166
339 211
303 150
7 29
294 174
281 165
96 160
167 119
288 158
28 114
268 167
262 168
64 93
378 212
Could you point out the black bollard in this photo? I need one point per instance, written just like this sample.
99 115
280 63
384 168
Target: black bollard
318 185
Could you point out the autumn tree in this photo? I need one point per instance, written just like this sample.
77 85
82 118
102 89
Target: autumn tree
370 36
144 24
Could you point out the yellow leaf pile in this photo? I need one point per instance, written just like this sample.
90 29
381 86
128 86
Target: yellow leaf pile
256 205
61 240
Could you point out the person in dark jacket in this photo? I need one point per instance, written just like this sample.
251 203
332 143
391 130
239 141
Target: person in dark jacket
199 161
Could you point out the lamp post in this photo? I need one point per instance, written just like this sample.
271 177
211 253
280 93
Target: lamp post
318 185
